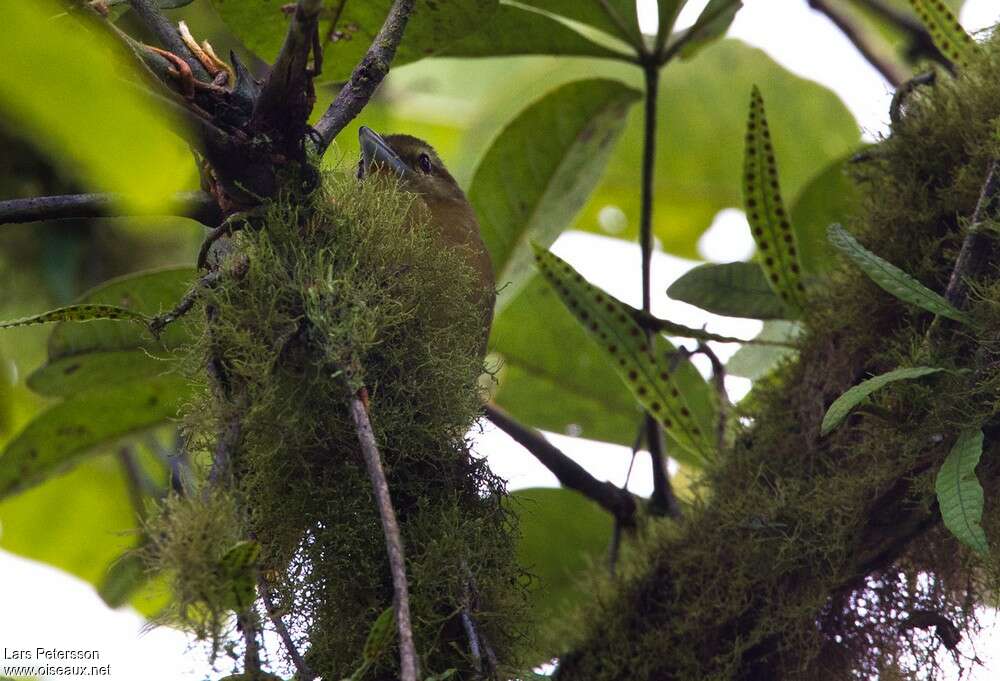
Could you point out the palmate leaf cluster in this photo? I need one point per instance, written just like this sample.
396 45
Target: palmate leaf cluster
569 118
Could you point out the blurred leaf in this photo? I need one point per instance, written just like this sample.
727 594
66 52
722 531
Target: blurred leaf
711 24
562 534
124 577
892 279
61 90
842 406
515 31
830 196
667 12
70 375
765 210
540 169
700 140
733 289
614 17
650 378
756 361
960 496
433 26
61 436
75 314
239 570
148 293
553 377
380 635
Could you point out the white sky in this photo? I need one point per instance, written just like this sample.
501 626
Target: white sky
40 606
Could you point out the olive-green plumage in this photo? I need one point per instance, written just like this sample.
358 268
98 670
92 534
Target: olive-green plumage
421 171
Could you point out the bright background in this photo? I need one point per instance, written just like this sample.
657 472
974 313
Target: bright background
41 606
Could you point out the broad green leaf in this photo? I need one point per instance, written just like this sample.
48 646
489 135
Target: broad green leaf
843 405
831 196
712 24
553 377
77 313
239 568
960 496
60 437
61 88
947 34
148 293
769 223
380 635
69 375
516 31
735 289
611 323
614 17
433 26
540 170
892 279
562 534
700 137
755 361
666 12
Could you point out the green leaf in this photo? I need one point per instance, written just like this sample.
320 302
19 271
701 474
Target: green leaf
380 635
561 535
611 323
540 170
700 136
735 289
432 27
125 576
755 361
667 12
617 18
892 279
239 567
77 313
60 437
947 34
769 223
76 373
960 496
61 88
843 405
831 196
516 31
711 24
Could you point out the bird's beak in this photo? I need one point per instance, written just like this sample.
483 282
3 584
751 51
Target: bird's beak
376 152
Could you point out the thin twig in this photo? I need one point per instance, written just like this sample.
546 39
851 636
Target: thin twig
719 381
304 673
614 548
195 205
665 326
367 75
408 661
570 474
977 247
160 322
168 35
885 65
903 92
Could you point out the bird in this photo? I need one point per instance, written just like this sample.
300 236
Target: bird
421 172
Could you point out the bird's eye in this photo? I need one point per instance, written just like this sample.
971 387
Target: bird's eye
425 163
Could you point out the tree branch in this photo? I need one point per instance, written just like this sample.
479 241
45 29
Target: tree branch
570 474
977 247
195 205
367 75
304 672
285 100
890 70
408 661
168 36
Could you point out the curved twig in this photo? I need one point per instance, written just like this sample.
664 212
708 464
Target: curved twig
408 662
367 75
198 206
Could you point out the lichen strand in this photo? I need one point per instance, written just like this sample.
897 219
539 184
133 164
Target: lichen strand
345 288
806 557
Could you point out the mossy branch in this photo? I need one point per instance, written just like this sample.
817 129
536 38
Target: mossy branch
408 661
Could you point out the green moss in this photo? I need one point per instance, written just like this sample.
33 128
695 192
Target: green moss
804 556
324 294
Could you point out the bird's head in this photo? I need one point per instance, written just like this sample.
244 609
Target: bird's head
413 161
